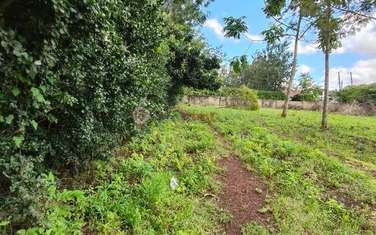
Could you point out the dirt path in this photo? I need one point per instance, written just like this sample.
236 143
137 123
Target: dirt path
242 194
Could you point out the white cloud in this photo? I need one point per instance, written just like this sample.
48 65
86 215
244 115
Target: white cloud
308 48
217 28
254 37
305 48
304 69
363 72
361 42
219 31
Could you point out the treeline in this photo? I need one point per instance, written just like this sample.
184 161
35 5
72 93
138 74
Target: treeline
268 72
365 94
72 74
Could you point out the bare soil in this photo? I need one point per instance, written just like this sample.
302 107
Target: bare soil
243 195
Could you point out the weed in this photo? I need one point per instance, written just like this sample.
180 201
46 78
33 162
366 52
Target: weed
313 192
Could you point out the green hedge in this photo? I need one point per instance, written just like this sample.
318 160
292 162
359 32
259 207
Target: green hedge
271 95
230 91
360 94
72 73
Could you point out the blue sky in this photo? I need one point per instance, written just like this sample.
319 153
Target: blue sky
357 54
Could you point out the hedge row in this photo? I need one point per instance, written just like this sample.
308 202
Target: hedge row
231 91
361 94
73 72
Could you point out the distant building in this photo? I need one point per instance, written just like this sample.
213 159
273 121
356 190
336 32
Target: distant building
293 92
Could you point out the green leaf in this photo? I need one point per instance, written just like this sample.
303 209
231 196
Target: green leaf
9 119
1 118
34 124
15 91
4 223
3 44
18 140
37 95
264 210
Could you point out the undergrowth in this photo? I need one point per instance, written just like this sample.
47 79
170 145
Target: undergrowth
313 192
133 193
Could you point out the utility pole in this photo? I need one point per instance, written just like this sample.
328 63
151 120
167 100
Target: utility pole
339 80
351 79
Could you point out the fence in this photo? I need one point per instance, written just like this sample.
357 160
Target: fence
353 109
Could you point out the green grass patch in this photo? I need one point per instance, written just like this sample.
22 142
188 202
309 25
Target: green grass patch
313 192
133 193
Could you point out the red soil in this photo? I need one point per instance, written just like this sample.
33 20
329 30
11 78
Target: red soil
243 195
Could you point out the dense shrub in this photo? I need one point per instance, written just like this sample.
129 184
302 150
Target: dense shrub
305 97
361 94
72 72
223 91
231 91
192 65
133 193
250 96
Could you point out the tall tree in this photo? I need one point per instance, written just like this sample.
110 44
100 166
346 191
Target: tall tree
289 16
328 38
332 16
191 63
269 68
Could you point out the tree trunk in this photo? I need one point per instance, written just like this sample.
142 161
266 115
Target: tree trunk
324 121
327 49
293 67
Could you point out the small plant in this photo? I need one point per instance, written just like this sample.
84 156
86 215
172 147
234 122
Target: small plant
250 97
255 229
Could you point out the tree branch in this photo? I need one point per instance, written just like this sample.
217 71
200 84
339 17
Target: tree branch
355 13
283 23
306 30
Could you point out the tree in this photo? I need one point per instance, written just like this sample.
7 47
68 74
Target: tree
191 63
269 68
332 16
309 91
73 72
234 27
289 16
237 67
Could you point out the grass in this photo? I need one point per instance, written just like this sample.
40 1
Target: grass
133 193
351 139
313 190
319 182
